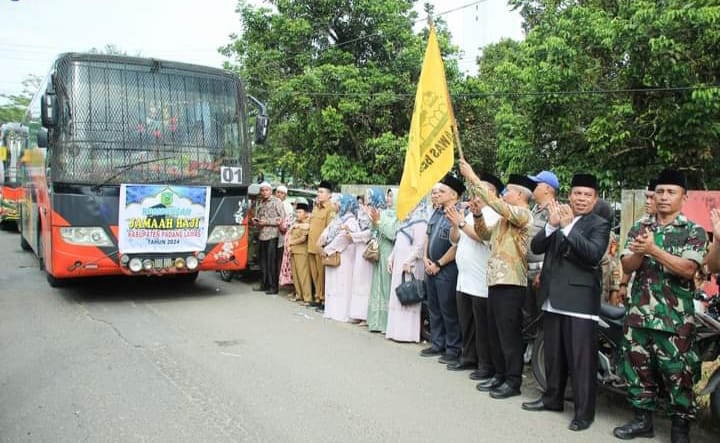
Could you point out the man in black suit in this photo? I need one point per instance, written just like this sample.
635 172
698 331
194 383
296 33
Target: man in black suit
574 241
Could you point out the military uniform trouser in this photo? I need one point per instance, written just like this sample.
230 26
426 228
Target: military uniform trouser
652 356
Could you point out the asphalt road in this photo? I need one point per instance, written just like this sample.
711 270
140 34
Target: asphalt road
142 360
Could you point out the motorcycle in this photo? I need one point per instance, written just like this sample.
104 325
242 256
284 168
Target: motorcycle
226 275
610 355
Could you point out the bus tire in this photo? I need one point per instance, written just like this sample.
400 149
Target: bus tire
8 225
24 244
40 252
57 282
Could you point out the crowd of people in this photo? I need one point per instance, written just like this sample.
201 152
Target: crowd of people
494 255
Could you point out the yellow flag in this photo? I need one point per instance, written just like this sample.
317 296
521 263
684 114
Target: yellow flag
430 152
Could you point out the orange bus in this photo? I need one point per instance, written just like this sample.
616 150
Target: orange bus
13 143
145 169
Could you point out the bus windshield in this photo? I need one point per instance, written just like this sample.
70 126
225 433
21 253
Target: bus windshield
123 122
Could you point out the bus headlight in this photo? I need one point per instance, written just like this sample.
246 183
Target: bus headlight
89 236
147 264
179 263
226 233
135 264
191 262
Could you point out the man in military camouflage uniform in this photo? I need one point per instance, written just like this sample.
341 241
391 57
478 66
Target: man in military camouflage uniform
649 211
664 251
610 263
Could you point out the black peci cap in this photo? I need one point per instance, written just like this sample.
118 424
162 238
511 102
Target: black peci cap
672 177
302 205
522 180
453 182
326 184
584 180
651 184
493 180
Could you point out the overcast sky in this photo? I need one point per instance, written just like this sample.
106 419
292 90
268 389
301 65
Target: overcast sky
34 32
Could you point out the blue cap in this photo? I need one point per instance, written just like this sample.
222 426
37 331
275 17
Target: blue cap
546 177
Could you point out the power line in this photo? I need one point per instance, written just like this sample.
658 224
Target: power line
514 94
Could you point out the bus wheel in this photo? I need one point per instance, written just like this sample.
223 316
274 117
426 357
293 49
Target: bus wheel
41 257
24 244
8 225
57 282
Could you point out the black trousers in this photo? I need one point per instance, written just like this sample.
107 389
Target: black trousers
442 307
531 309
466 318
267 256
505 303
571 345
472 313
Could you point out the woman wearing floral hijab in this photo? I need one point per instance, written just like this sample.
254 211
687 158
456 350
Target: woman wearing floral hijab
338 238
385 226
403 322
363 273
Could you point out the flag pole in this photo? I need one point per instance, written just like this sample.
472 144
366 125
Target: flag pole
457 137
456 132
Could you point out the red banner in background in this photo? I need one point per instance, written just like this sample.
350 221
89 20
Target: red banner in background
697 208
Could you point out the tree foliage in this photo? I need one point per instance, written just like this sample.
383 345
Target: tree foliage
15 105
621 89
339 78
646 52
108 49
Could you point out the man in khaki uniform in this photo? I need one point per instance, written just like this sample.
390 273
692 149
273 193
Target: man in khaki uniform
298 248
320 218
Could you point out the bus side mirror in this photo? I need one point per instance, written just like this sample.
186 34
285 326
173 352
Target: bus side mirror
261 128
42 139
48 112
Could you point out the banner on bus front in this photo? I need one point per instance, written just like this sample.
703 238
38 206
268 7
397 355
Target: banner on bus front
162 218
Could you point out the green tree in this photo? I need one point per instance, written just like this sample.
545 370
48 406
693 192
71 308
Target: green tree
15 105
339 78
646 52
111 49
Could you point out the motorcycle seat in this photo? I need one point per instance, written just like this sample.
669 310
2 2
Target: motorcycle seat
612 312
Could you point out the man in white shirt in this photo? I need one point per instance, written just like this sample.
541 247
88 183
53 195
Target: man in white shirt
472 290
573 241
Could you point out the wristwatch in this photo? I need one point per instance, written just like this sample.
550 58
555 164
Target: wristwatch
437 263
462 224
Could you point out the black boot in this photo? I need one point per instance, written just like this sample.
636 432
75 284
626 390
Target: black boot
642 426
679 430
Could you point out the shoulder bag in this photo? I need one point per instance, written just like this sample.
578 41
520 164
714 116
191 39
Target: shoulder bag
410 292
332 260
372 251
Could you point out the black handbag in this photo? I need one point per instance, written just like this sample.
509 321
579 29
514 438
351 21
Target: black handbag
410 292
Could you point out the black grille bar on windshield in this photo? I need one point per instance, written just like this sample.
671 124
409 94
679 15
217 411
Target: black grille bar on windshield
123 123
